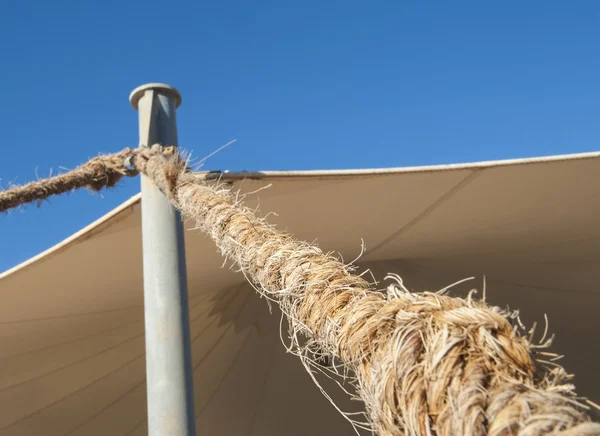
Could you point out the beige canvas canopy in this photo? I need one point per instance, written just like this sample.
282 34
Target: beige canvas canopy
71 319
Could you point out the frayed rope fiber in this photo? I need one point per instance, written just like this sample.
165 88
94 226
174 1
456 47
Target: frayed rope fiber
423 363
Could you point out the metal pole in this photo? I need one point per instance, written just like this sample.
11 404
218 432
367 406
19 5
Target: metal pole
169 381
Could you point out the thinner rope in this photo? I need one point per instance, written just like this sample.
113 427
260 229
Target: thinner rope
424 363
99 172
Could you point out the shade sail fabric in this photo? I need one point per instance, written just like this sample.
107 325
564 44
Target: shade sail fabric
71 319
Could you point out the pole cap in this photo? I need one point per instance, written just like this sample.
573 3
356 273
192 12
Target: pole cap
138 93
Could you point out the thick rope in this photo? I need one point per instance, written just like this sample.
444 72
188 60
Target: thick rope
424 363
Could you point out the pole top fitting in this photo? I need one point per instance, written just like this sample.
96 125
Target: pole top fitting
160 88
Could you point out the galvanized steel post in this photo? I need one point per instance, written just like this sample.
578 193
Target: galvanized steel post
168 356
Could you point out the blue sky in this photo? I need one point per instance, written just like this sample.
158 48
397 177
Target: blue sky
300 85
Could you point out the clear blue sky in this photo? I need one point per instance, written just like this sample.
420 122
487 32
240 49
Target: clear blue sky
300 85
